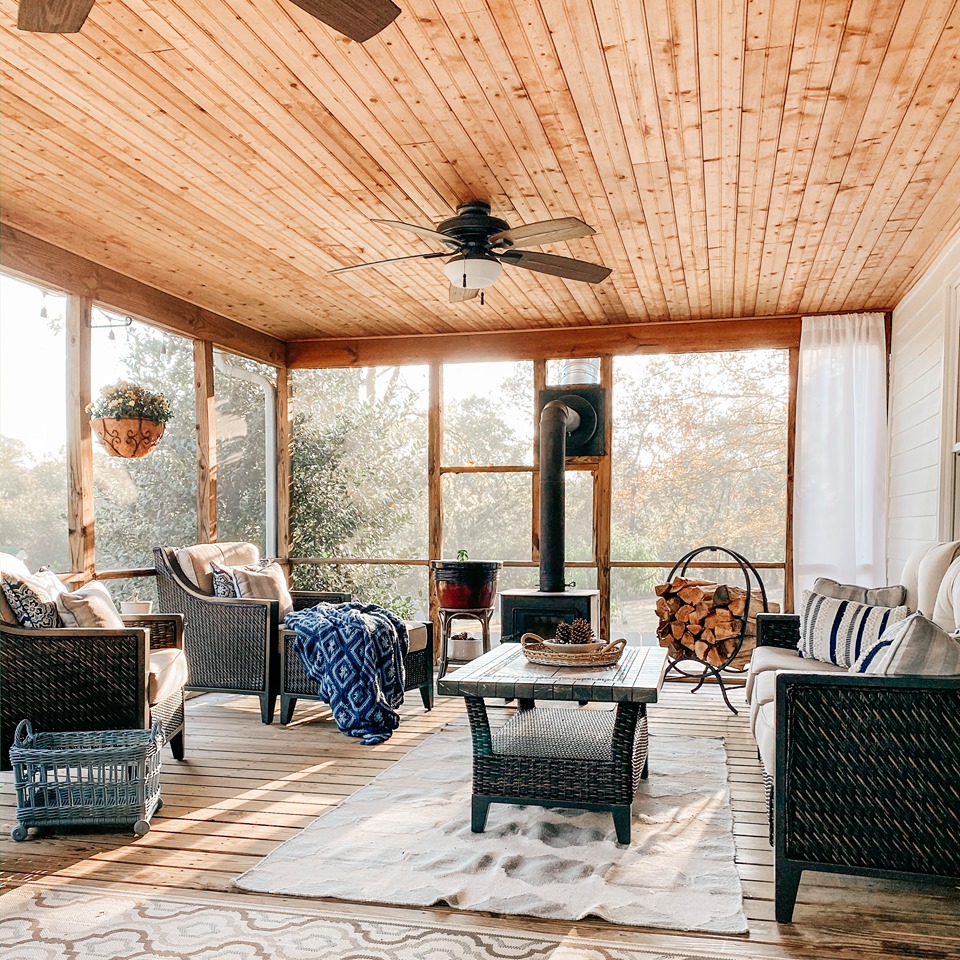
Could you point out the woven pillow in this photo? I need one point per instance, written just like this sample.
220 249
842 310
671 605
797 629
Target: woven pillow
33 599
264 580
838 631
91 606
892 596
915 646
224 583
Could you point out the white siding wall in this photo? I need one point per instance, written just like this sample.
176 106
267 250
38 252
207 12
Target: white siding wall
916 397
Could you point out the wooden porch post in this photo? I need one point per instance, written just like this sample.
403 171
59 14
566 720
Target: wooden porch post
435 487
539 385
602 491
206 442
793 376
79 438
284 465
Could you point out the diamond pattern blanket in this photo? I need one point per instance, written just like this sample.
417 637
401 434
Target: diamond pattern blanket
355 651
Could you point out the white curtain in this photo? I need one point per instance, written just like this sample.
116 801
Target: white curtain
840 467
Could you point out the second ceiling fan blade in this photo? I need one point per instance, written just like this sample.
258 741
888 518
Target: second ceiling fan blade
546 231
379 263
459 294
421 232
555 266
357 19
53 16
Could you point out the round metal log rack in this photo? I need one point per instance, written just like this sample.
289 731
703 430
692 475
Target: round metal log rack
708 669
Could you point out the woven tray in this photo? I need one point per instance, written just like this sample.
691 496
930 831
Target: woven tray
535 651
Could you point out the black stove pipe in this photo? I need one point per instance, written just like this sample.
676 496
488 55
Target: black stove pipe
556 421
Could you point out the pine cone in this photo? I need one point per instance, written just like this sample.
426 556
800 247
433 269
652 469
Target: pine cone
460 637
581 632
563 634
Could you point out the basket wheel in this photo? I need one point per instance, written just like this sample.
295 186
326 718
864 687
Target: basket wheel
141 828
19 833
160 804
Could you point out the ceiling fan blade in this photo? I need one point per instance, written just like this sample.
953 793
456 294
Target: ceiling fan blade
546 231
379 263
53 16
357 19
459 294
565 267
421 232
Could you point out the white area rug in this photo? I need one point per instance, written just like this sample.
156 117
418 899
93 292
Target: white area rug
405 839
79 923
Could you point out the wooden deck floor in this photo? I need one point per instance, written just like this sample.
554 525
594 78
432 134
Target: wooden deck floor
246 787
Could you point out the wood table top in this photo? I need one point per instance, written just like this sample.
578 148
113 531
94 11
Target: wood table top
506 672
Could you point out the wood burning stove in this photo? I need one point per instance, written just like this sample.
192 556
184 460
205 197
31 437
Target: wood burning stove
539 612
572 418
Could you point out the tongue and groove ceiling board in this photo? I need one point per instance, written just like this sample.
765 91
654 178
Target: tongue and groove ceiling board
738 158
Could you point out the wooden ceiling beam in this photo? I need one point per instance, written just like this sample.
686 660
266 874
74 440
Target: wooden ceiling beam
41 262
560 342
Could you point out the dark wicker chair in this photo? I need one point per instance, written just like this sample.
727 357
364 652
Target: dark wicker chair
72 679
232 646
297 685
867 777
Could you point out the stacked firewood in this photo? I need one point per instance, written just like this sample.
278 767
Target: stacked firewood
702 619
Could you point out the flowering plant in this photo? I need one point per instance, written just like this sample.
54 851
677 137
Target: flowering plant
125 399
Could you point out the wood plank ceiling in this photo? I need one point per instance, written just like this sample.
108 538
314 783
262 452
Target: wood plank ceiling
739 158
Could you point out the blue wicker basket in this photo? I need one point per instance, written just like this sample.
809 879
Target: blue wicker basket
86 778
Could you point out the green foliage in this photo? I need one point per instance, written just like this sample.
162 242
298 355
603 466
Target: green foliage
359 480
125 399
33 506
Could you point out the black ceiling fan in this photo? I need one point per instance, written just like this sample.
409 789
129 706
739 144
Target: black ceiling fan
480 244
357 19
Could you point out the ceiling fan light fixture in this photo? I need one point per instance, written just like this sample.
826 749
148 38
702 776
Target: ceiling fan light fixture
473 272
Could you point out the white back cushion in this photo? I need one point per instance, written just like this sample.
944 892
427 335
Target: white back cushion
946 611
195 561
924 572
17 568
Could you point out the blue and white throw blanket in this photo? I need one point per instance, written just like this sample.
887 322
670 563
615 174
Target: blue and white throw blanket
355 653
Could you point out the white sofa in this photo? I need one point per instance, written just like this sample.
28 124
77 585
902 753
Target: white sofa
862 772
931 577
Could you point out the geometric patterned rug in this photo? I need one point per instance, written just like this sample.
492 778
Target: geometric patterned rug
84 923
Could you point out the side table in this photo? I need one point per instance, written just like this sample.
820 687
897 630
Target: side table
447 616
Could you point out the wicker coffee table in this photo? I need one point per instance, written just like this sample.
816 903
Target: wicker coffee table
549 757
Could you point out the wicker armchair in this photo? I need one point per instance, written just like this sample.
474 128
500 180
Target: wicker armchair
866 774
232 646
71 679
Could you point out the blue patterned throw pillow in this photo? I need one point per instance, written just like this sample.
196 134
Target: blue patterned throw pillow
839 631
224 582
33 599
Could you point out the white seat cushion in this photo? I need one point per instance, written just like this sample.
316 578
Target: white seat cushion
771 658
765 686
195 561
766 736
168 674
417 633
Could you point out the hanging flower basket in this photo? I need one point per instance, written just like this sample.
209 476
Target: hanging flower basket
128 420
129 437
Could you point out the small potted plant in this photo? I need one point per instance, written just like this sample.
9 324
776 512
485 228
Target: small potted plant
128 420
465 584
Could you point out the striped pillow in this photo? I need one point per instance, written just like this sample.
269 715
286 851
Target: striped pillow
913 647
839 631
